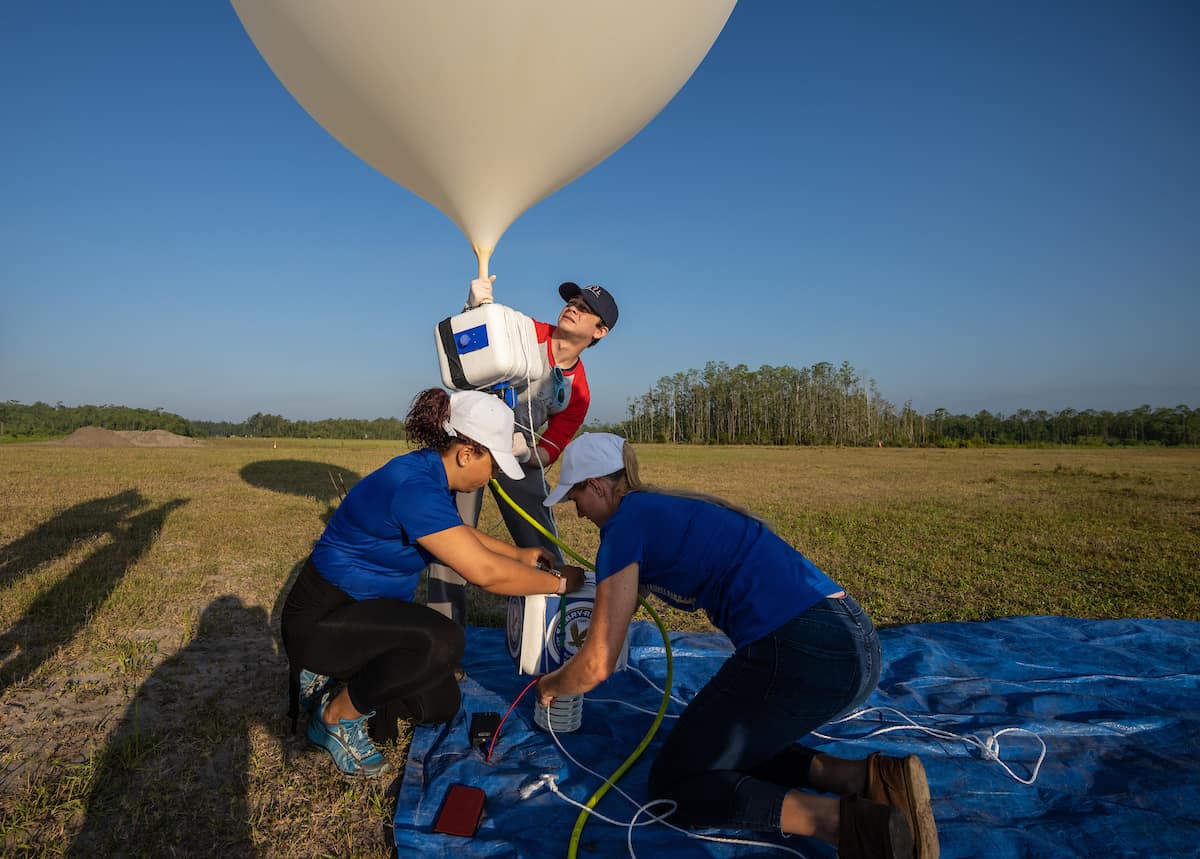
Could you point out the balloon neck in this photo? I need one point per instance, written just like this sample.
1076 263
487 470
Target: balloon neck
483 255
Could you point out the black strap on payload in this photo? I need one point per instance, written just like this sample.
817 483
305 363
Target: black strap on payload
452 359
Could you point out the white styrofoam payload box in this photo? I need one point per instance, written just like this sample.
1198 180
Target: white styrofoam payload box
487 345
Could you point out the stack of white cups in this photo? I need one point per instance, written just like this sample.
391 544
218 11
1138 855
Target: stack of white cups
564 715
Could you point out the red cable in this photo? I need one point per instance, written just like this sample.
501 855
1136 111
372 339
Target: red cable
496 733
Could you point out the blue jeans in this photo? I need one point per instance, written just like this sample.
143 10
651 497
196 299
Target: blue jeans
733 755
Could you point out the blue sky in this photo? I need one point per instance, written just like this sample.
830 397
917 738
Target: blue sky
978 205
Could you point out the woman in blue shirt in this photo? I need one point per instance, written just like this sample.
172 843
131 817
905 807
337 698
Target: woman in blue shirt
350 618
805 653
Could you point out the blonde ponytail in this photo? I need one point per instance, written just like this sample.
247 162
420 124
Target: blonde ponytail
629 480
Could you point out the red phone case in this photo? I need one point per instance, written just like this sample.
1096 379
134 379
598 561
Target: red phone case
461 811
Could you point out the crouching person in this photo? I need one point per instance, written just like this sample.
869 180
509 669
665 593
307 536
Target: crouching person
805 653
362 654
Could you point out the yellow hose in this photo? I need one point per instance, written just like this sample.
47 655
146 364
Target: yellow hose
594 800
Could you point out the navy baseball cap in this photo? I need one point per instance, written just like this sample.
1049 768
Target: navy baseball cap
596 297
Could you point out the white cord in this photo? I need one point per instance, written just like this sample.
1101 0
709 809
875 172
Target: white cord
537 438
988 745
656 687
632 707
552 784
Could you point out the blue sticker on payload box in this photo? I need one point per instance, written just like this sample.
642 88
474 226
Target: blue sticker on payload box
471 339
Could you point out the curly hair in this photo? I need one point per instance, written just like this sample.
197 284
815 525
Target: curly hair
426 422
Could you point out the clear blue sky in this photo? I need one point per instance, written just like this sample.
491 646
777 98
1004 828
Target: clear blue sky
979 205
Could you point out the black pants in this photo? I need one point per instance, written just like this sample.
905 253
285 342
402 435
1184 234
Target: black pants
396 657
732 757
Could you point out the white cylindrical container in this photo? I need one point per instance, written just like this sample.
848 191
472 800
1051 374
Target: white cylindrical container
565 714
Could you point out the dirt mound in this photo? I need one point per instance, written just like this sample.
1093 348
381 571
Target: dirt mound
100 437
94 437
158 438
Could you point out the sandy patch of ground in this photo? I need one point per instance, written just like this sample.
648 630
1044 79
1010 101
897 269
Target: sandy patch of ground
100 437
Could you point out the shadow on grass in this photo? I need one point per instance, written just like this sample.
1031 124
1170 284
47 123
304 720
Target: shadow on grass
320 480
55 536
173 779
56 615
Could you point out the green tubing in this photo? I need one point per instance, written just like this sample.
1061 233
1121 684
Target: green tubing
499 490
594 800
581 821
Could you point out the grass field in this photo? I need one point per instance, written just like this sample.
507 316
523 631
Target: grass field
142 688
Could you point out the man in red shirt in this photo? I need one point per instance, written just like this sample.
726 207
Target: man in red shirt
548 414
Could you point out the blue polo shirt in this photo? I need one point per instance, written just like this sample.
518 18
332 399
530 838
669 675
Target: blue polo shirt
699 555
369 548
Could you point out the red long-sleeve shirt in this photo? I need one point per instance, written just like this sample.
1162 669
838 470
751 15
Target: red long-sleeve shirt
562 426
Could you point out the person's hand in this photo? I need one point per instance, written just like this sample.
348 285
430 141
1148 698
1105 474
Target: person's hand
574 576
537 556
544 698
521 448
481 291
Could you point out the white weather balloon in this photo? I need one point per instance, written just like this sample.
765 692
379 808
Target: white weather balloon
483 107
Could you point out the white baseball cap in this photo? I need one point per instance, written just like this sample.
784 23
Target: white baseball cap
483 418
593 454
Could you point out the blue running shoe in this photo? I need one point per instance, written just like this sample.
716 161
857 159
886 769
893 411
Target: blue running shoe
312 687
348 744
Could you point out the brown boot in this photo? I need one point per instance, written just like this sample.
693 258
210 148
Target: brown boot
901 782
872 830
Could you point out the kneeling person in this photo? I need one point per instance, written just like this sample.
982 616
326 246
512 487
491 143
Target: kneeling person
805 654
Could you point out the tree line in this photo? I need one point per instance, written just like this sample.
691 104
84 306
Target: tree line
816 405
823 404
41 420
259 425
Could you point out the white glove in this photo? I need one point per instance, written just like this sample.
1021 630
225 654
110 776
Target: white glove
521 448
481 292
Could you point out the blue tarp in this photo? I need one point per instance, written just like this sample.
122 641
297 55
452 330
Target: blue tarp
1117 703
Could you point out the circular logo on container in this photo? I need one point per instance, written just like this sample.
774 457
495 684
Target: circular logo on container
464 339
562 646
514 625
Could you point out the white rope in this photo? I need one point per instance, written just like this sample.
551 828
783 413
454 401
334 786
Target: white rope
988 745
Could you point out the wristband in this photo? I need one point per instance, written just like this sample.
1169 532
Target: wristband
562 586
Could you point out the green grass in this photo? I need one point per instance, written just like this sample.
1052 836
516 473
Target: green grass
143 689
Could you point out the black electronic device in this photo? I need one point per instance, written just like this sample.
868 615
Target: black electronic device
461 811
483 726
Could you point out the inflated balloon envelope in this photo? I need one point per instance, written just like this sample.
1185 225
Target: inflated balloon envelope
483 107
